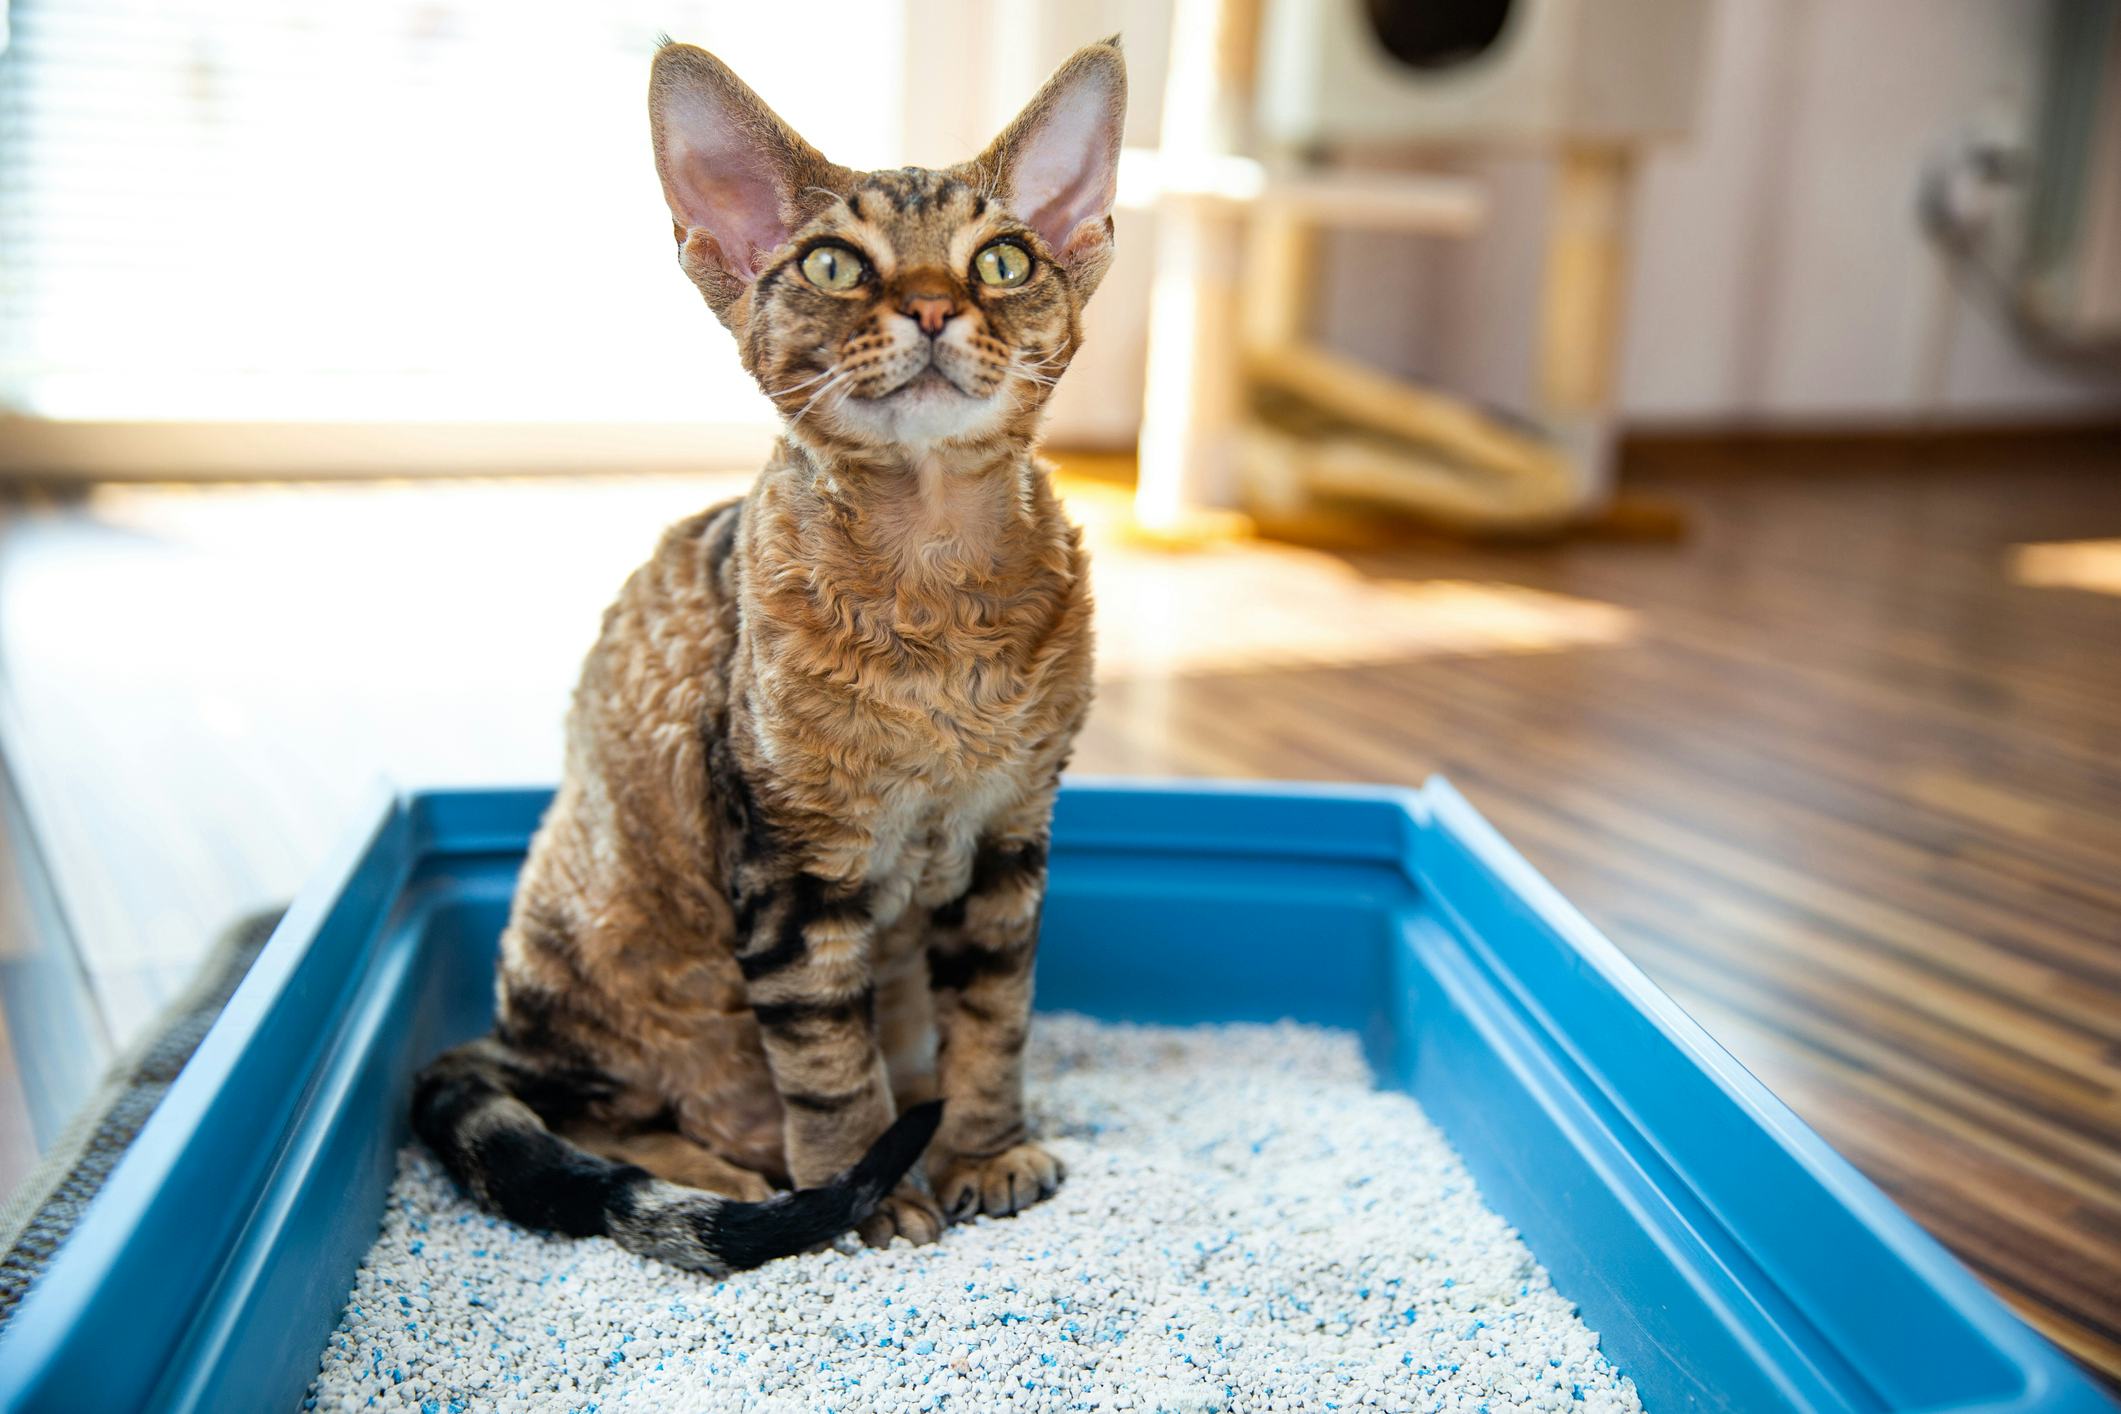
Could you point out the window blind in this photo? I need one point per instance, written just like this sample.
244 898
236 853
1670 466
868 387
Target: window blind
401 210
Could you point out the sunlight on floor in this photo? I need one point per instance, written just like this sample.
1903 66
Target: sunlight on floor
1265 607
2069 564
1243 605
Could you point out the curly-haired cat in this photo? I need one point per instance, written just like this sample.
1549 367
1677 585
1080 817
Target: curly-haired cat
790 886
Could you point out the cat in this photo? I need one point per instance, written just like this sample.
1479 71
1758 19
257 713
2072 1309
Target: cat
774 937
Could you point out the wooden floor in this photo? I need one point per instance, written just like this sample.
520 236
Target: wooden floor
1841 769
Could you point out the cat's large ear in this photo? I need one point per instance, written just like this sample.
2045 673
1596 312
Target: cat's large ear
733 172
1059 160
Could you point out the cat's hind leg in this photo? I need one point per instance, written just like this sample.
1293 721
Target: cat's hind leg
905 1013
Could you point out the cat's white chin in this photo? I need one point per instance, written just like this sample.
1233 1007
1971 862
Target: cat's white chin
926 409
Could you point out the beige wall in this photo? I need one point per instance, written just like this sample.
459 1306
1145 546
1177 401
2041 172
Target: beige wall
1780 272
1779 275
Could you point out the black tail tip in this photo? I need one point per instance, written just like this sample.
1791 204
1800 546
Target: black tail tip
922 1120
895 1152
743 1235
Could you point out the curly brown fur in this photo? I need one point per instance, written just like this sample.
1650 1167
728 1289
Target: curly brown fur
791 881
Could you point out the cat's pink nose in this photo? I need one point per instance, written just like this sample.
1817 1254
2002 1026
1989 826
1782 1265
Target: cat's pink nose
932 311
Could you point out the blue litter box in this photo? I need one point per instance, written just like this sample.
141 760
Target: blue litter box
1726 1256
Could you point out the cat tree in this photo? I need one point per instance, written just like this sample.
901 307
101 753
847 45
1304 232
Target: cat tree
1242 405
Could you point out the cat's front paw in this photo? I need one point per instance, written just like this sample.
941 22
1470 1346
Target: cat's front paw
1006 1183
905 1212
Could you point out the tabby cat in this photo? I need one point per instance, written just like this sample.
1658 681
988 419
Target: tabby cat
774 937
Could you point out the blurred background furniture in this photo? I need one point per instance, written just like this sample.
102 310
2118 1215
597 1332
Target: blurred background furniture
1243 404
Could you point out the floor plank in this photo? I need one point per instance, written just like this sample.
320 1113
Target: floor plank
1841 770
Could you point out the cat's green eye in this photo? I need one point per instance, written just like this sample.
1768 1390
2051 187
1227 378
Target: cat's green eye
833 267
1004 265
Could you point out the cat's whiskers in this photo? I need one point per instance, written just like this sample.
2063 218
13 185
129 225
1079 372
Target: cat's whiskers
838 383
798 387
1054 362
1030 373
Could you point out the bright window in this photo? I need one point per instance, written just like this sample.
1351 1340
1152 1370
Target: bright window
397 210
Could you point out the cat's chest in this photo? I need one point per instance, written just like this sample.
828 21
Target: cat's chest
922 843
915 755
974 712
938 691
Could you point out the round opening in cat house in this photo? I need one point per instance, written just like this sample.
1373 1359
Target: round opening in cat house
1437 34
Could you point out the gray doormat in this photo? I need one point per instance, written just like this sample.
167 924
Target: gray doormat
41 1213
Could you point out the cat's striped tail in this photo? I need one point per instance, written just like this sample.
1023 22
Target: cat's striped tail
467 1109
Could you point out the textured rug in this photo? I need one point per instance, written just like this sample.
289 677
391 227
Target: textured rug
38 1217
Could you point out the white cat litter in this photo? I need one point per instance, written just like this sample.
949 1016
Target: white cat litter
1246 1225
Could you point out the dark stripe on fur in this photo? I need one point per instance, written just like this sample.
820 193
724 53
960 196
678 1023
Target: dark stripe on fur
985 1015
810 900
787 952
732 793
996 865
955 971
992 867
782 1016
748 908
825 1103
